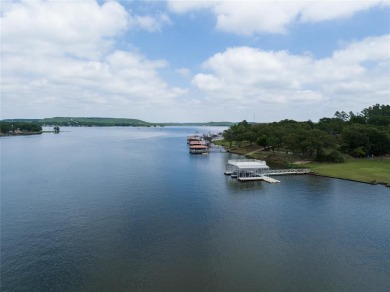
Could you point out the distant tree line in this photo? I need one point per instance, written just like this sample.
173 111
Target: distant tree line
92 122
363 134
106 122
13 127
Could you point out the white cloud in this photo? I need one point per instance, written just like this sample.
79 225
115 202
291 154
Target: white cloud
77 28
326 10
58 58
184 72
251 17
248 77
186 6
150 23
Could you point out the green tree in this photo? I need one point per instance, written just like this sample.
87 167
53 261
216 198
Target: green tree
377 115
379 141
332 126
5 127
228 136
342 116
355 136
316 141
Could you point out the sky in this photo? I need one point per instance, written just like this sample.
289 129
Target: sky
193 61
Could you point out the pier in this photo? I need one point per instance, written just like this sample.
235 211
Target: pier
288 171
262 177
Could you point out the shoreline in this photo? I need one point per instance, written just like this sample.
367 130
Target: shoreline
20 134
352 180
279 161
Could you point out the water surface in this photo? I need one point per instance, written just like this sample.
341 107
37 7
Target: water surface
128 209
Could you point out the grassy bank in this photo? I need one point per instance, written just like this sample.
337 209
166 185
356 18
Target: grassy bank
364 170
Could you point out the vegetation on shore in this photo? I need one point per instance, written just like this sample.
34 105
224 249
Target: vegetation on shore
349 138
362 169
358 135
371 170
19 128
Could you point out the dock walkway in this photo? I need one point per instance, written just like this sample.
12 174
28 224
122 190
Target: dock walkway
280 171
287 171
264 178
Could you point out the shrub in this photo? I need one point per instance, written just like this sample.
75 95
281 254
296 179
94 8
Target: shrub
358 152
334 156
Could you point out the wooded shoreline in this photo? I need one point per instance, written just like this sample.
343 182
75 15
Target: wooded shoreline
369 171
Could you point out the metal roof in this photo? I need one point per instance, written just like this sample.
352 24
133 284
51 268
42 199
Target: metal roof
198 147
197 142
248 164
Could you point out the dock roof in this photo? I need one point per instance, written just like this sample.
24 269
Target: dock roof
199 147
248 163
197 142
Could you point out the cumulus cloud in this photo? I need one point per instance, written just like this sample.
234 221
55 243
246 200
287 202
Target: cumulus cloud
251 17
184 72
244 76
186 6
52 27
61 55
150 23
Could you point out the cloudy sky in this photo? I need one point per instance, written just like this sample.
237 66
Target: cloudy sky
193 61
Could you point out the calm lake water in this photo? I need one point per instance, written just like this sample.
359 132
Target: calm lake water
127 209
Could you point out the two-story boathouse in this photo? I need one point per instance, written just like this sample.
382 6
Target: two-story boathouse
197 145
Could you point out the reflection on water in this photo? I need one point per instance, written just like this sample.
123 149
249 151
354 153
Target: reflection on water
127 209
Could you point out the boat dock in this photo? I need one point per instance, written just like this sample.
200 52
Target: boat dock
197 145
203 143
252 169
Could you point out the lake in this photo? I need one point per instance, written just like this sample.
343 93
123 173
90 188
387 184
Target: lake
129 209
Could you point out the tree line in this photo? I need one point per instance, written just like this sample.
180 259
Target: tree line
363 134
8 127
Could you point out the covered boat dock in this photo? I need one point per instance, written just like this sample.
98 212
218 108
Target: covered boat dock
253 169
199 149
246 169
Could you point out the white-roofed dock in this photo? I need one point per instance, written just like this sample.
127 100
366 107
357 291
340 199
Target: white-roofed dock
246 168
253 169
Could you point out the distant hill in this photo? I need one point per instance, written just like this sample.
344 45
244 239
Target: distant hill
21 120
82 121
210 124
107 122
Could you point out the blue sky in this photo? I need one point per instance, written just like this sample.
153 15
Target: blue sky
193 61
